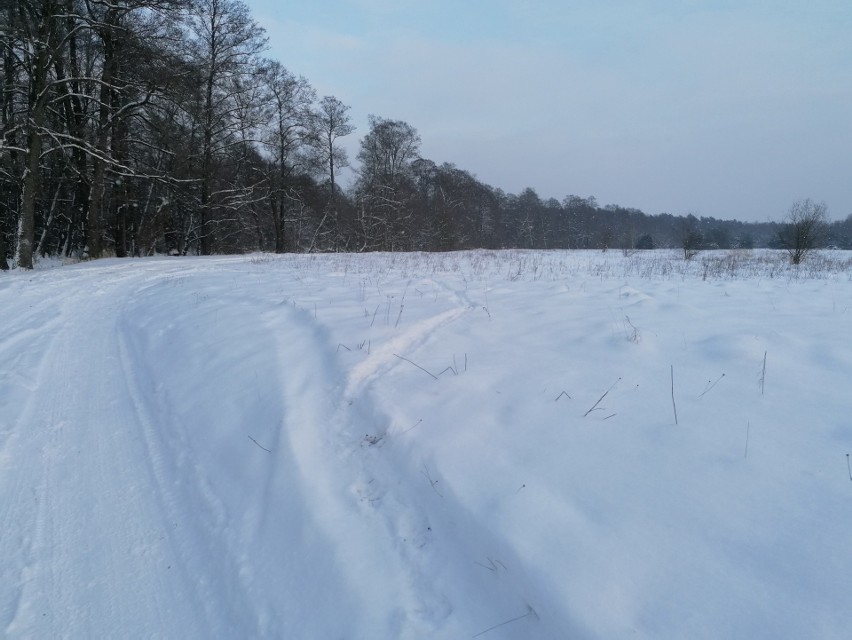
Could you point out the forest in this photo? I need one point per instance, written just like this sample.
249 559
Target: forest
139 127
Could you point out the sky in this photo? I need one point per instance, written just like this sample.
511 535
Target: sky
728 108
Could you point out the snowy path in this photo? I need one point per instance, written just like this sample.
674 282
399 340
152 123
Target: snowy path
317 448
125 474
80 537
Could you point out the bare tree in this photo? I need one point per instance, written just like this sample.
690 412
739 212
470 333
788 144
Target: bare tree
72 86
38 44
386 186
330 122
225 45
388 149
8 145
289 100
804 229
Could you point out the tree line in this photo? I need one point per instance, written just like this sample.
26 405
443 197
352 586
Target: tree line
132 127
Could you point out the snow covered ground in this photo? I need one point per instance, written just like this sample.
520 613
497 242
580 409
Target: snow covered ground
473 445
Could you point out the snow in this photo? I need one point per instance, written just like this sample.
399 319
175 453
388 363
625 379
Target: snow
471 445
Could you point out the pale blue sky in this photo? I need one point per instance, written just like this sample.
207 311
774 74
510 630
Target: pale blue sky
731 109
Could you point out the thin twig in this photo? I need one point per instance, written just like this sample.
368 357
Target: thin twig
432 482
416 365
848 467
674 406
748 428
529 614
492 564
340 344
260 445
602 397
564 393
763 374
635 337
710 388
414 425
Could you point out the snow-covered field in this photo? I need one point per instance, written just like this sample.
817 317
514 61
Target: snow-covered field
473 445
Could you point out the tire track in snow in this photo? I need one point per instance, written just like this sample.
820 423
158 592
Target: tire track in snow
22 351
212 538
92 554
389 486
326 411
22 482
395 510
204 564
251 526
318 537
431 532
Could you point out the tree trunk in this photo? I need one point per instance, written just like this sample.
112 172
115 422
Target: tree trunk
4 265
332 201
26 221
207 168
8 190
94 221
75 121
277 207
37 102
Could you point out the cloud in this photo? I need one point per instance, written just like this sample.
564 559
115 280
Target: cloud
722 108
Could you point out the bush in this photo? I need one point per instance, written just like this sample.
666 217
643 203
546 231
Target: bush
805 229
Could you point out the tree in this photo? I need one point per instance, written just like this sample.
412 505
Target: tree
744 241
645 242
388 150
289 101
78 78
38 44
527 210
691 238
805 228
123 88
224 48
331 121
8 146
386 187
